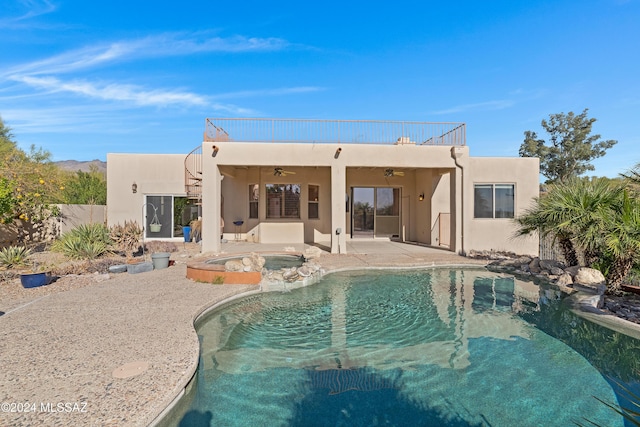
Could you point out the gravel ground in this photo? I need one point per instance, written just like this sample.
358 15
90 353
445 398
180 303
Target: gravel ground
66 275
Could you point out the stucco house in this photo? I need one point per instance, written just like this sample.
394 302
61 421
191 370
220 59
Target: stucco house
324 182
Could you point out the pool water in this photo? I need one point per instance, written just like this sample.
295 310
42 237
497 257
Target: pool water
423 347
272 262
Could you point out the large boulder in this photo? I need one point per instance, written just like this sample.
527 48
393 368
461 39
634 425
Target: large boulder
534 266
590 280
290 275
556 271
573 270
565 279
548 264
589 276
234 265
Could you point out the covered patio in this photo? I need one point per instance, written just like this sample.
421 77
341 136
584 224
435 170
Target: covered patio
328 182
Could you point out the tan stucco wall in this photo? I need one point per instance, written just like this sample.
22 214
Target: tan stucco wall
71 216
499 233
242 164
446 183
155 174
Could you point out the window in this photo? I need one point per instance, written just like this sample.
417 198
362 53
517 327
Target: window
387 201
493 200
165 216
314 194
254 197
283 200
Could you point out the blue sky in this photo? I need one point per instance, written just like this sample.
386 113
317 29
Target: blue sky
82 79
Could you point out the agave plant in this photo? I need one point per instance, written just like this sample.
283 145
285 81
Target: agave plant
14 256
77 248
87 241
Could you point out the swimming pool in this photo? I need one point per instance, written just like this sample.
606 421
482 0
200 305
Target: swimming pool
423 347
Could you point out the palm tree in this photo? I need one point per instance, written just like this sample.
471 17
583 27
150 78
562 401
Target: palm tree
622 239
598 216
589 206
573 213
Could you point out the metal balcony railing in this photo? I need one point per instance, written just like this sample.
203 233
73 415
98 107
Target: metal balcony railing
334 131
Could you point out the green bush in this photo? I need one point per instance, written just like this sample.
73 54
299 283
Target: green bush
14 256
87 241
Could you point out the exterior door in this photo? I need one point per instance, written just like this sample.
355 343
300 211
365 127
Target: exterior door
375 212
362 212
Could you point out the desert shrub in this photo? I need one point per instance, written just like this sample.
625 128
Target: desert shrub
126 238
87 241
14 256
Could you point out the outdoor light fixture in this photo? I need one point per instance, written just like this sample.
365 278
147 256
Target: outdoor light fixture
134 187
215 151
338 151
421 197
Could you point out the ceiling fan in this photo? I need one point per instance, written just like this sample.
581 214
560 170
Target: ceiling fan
391 172
282 172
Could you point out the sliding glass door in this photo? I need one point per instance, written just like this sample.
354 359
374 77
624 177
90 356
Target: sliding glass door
375 212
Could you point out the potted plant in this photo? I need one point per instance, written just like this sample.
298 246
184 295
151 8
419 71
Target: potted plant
155 225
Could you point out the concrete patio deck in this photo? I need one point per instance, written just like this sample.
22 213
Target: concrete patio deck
118 352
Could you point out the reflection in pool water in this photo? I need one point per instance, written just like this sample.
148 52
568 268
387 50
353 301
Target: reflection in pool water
432 347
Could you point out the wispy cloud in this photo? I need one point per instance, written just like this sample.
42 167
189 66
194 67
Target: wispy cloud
480 106
162 45
115 92
46 75
24 10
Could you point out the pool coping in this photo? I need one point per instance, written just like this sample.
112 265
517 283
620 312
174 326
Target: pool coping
65 347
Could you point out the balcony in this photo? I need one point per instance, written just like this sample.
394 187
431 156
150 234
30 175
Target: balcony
320 132
334 131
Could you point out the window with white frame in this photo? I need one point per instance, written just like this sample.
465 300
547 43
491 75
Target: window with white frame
283 200
493 200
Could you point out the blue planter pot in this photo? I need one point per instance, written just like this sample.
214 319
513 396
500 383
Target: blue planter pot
34 280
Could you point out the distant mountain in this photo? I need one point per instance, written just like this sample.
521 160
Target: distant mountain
75 165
